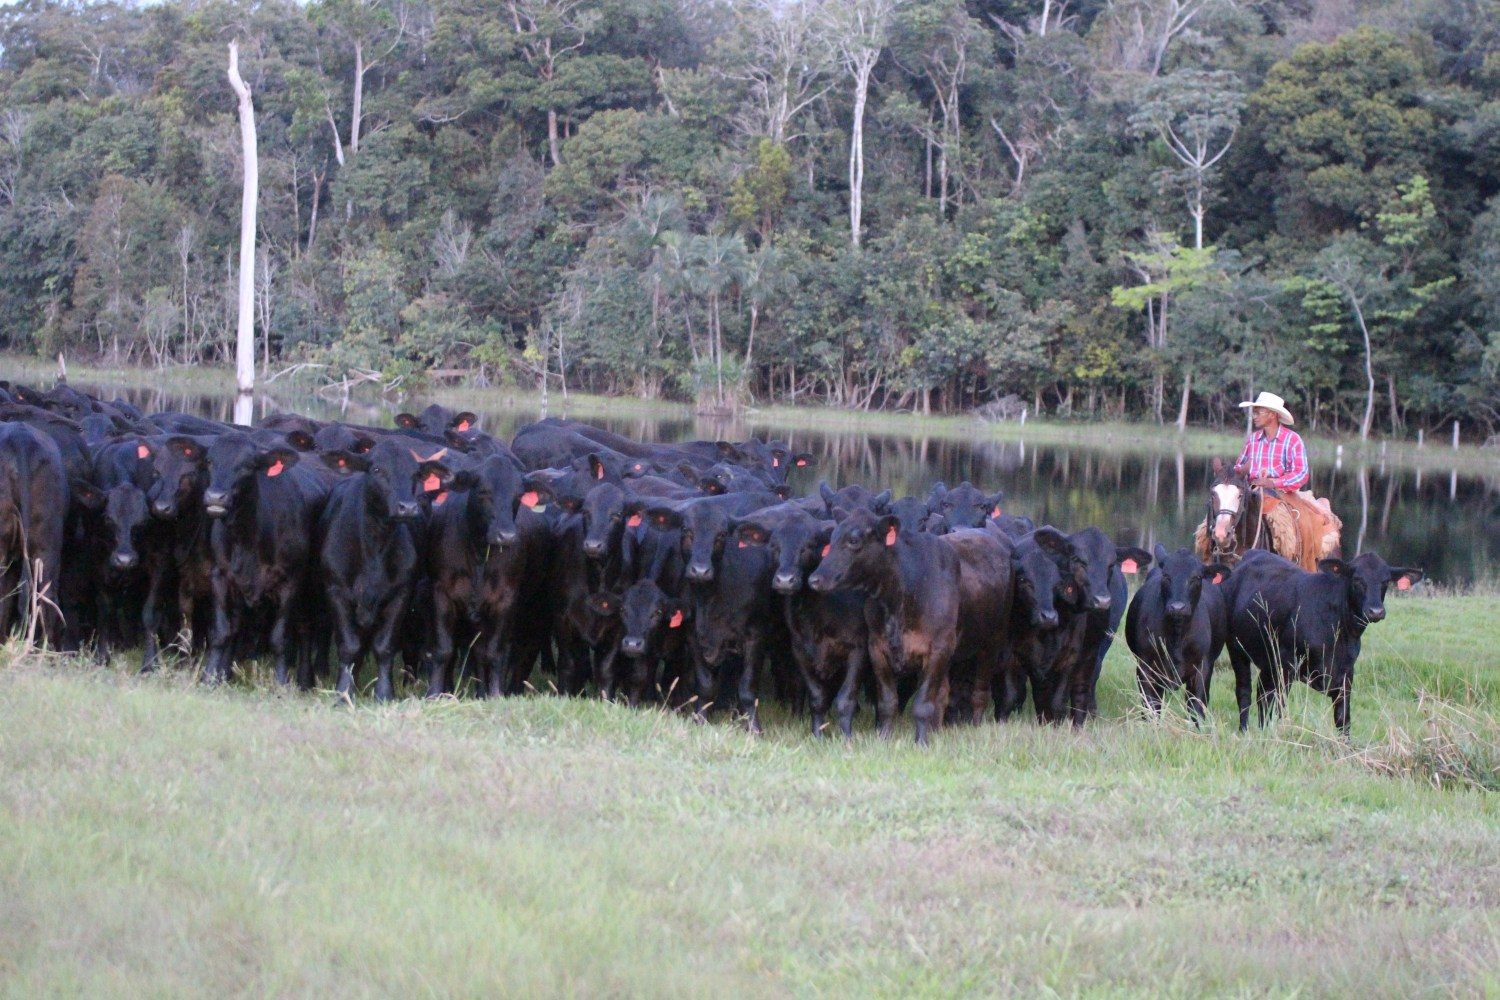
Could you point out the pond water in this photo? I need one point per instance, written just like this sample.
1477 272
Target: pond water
1445 522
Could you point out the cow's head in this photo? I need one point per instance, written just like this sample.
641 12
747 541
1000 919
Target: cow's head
860 541
1039 560
181 466
1094 559
1181 577
797 543
236 462
1366 577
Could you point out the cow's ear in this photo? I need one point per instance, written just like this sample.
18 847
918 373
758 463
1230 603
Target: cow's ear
1337 567
87 495
463 422
827 494
749 533
603 603
994 500
184 447
463 479
570 504
534 492
344 461
881 502
407 421
1053 541
938 491
301 440
1160 551
1405 577
275 461
727 449
434 476
1215 572
782 490
887 529
363 444
596 467
803 460
711 487
457 440
1132 559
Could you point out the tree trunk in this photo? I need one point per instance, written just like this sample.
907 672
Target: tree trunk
1364 331
553 149
857 152
1187 391
245 344
359 96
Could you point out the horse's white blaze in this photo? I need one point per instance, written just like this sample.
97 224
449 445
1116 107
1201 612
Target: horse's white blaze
1228 498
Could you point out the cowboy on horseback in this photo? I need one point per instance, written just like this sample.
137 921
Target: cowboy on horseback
1286 518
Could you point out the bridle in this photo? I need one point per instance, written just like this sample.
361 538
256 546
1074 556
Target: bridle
1226 548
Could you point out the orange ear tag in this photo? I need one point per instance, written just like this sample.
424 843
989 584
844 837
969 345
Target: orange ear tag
432 482
529 498
141 451
1129 566
801 462
463 425
634 522
599 472
1218 578
439 500
996 511
276 468
775 463
826 549
1404 583
890 535
676 620
743 544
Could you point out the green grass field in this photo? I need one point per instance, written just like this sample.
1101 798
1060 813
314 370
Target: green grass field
161 839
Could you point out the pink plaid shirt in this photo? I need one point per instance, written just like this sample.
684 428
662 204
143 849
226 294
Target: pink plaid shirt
1282 457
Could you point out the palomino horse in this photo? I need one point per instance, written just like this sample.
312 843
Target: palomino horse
1241 518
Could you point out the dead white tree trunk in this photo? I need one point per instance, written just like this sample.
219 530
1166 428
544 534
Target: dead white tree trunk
244 355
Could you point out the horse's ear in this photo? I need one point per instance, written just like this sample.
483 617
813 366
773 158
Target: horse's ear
1218 467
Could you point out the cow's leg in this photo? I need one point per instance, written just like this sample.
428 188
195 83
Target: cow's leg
1239 662
440 645
749 704
384 646
1148 677
151 616
1339 691
220 635
847 700
1196 675
931 697
347 641
106 612
604 670
984 681
283 646
887 697
705 680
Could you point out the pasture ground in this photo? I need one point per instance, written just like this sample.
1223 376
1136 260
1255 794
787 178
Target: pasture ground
161 839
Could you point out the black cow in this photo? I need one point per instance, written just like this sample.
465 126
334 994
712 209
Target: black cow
652 631
368 552
487 558
33 503
1046 620
1098 567
1176 627
1297 625
828 636
912 581
265 505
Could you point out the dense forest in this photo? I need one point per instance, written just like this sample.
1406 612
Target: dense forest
1099 207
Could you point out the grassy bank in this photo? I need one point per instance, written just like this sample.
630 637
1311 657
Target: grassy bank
159 838
1438 455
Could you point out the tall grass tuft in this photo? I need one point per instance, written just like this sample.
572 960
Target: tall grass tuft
1453 748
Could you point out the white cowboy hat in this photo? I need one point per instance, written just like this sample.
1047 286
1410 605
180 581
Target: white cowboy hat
1274 403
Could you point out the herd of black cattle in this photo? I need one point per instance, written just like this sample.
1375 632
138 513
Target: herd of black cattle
687 573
